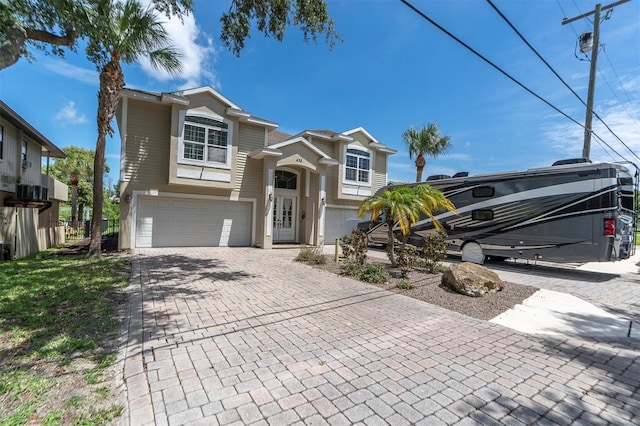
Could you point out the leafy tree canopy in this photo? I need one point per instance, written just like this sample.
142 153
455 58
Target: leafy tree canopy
79 162
52 25
77 167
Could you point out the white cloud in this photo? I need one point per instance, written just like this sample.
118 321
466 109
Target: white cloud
461 157
197 53
567 139
63 68
69 114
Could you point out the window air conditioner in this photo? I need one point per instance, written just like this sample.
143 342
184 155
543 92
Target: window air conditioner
26 164
37 192
22 192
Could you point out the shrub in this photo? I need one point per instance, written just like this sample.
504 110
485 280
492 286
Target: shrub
374 273
354 246
311 255
434 251
405 285
407 259
352 269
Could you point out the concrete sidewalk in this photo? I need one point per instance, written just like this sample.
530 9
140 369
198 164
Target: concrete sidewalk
558 313
247 336
553 313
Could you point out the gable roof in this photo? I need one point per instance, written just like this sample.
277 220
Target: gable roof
373 142
329 135
210 90
12 117
303 141
276 136
181 97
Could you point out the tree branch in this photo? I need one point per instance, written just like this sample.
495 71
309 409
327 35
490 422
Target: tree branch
68 39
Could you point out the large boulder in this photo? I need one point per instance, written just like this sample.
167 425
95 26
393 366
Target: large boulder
472 279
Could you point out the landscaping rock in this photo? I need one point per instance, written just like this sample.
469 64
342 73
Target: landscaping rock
472 279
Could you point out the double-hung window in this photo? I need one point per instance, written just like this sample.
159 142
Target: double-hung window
357 167
205 140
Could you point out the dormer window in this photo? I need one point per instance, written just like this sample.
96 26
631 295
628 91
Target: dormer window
206 141
357 166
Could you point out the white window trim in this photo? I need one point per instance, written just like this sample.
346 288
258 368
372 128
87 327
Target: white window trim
212 116
2 143
345 181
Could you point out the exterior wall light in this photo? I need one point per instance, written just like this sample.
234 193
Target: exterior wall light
127 198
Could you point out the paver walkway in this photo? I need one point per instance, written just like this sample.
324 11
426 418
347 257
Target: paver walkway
246 336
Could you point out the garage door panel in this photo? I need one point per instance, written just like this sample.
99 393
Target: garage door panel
165 222
339 222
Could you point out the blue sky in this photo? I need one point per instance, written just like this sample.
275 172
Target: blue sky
392 71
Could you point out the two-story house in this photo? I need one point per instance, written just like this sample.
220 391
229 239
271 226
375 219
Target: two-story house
29 199
198 170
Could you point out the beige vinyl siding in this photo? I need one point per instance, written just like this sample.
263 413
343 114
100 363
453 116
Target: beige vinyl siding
379 172
9 168
205 103
248 171
31 175
326 147
148 142
330 148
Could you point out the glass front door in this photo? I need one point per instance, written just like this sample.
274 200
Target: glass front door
284 218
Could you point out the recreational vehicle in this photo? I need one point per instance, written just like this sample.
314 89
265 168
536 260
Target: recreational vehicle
573 211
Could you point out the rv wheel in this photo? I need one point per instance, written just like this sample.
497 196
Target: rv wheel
472 252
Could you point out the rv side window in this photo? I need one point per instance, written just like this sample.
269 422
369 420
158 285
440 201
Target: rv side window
482 215
483 191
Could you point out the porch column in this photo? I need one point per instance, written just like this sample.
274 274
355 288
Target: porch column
322 202
268 194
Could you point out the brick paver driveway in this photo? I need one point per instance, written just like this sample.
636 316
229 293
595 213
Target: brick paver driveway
246 336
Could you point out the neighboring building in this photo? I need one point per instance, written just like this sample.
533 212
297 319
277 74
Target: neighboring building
29 199
198 170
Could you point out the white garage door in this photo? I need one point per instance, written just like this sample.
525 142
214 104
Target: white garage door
338 223
174 222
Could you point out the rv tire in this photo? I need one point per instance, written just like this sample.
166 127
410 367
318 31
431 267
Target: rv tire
472 252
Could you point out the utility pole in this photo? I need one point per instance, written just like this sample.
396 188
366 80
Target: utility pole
586 148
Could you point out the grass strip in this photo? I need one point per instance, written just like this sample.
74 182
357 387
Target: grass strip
59 318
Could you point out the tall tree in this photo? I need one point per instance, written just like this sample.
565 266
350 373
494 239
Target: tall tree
124 33
76 170
51 25
426 141
402 206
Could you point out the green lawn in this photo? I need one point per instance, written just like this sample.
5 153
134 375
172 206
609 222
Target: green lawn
60 313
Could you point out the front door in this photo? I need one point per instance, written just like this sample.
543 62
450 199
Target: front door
284 218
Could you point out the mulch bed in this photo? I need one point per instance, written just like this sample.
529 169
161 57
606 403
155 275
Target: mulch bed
428 288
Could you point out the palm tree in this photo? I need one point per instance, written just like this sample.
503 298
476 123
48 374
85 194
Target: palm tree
433 200
124 33
403 205
398 205
427 141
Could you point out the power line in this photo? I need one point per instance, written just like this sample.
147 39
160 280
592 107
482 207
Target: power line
495 8
626 94
580 12
444 30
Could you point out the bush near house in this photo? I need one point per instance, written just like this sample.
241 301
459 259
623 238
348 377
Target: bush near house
311 256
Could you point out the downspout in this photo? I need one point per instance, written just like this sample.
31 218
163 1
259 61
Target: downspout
15 235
